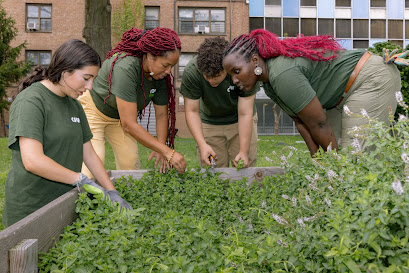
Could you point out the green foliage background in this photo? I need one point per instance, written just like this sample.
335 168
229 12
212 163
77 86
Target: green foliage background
130 13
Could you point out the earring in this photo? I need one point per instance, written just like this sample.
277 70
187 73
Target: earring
151 73
258 71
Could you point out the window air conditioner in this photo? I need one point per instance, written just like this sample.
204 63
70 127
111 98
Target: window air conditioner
202 29
32 26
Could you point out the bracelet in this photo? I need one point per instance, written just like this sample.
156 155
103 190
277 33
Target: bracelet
171 156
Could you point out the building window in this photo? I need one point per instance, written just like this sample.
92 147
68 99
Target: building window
361 28
151 17
395 29
308 3
406 3
184 59
256 23
343 28
39 57
200 20
308 26
273 25
326 27
38 17
378 3
343 3
360 43
290 27
273 2
406 29
378 28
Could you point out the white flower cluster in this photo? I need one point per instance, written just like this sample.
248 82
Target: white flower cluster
397 187
308 200
279 219
399 98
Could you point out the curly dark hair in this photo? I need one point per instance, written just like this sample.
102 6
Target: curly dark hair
210 57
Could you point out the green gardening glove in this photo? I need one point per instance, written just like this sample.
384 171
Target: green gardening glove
89 185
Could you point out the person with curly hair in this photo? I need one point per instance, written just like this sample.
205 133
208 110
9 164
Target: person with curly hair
221 118
136 71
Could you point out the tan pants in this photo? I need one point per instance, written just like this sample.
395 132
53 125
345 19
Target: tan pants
124 146
225 141
373 90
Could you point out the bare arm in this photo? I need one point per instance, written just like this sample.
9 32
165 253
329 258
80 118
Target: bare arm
35 161
128 112
194 123
315 123
245 111
94 164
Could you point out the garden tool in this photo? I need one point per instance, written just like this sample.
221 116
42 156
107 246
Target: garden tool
393 57
211 159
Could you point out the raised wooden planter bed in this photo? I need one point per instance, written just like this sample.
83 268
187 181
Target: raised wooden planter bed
38 232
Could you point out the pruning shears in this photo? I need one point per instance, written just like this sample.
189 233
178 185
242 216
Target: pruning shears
213 164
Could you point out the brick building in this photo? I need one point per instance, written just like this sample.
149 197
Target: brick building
45 24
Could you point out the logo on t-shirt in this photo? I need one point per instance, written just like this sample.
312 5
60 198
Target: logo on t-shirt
152 93
74 119
230 88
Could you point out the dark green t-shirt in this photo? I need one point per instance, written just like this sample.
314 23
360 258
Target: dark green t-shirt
60 124
126 80
293 83
218 105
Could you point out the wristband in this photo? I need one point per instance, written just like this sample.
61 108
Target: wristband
171 156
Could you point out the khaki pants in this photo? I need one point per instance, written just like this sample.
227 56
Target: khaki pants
374 91
225 141
124 146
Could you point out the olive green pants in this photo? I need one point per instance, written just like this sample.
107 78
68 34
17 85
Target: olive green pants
124 146
225 141
374 91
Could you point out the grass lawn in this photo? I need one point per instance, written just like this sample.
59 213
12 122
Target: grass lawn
269 150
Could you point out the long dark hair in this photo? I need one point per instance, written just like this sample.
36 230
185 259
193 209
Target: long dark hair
158 42
71 55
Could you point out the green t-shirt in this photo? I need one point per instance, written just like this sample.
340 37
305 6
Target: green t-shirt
293 83
126 80
218 105
60 124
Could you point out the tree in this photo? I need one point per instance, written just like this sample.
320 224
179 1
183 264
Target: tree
130 13
11 70
97 30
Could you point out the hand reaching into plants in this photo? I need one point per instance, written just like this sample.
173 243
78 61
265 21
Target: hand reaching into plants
241 161
178 161
205 152
160 159
114 197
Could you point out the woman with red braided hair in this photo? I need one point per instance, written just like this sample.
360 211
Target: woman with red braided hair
136 72
312 78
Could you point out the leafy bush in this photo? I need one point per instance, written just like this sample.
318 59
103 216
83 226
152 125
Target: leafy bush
338 212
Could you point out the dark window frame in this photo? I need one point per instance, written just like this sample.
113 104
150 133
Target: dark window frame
38 18
193 20
156 8
38 52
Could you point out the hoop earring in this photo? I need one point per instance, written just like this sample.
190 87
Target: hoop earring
151 73
258 71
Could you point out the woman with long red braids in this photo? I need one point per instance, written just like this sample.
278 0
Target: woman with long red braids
313 79
136 72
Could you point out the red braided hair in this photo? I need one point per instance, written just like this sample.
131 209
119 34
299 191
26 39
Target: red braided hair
158 42
268 45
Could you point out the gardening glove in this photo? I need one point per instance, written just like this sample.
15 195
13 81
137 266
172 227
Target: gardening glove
113 195
89 185
391 57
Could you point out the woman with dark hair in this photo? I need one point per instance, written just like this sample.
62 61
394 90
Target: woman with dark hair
312 78
136 72
50 137
221 118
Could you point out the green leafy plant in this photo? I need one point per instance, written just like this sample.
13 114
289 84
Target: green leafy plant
343 211
129 13
240 165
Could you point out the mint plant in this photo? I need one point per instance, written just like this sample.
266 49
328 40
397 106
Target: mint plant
343 211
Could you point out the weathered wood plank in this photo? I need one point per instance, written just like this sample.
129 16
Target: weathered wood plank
252 173
45 225
24 257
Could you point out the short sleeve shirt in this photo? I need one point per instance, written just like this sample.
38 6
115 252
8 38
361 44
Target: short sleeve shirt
293 83
126 83
61 126
218 105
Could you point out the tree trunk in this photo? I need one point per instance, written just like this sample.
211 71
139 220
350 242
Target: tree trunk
276 119
97 30
2 123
